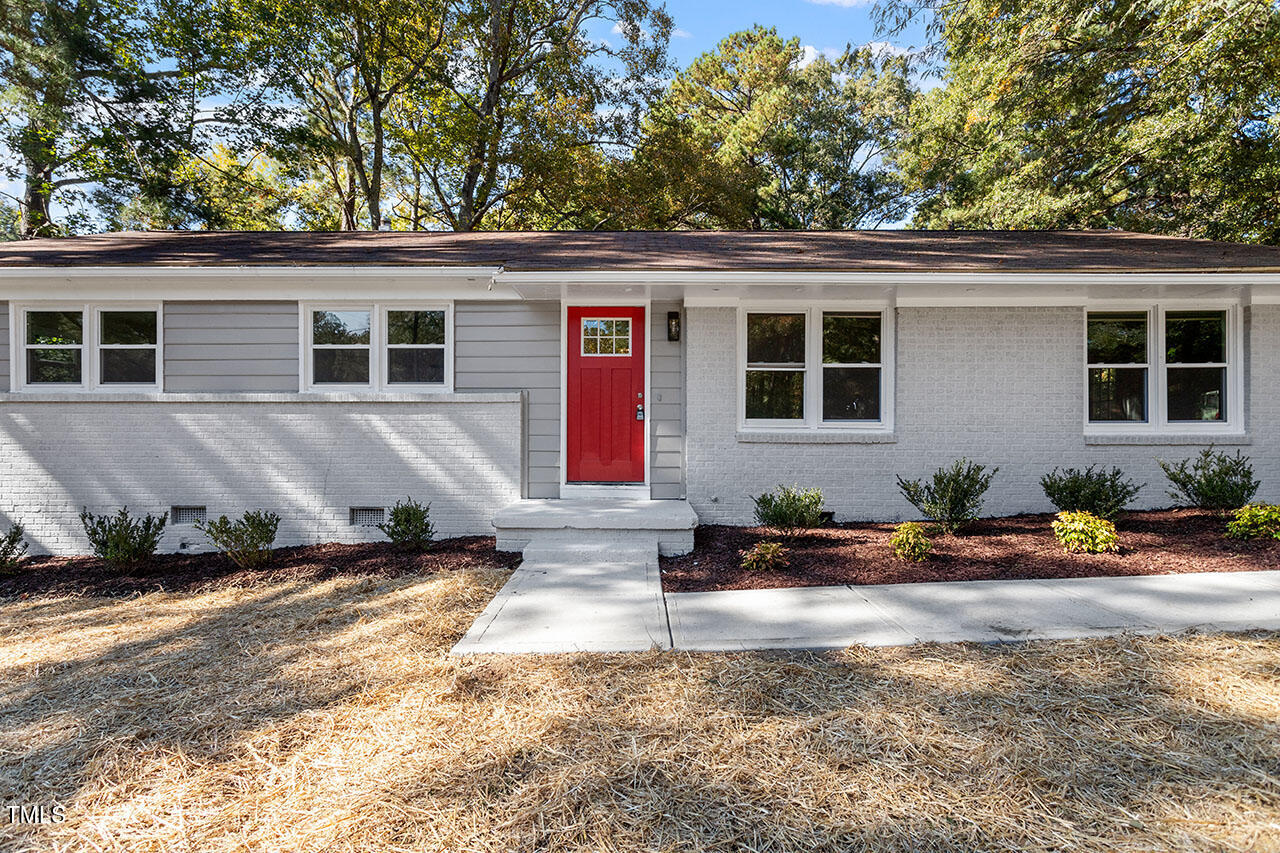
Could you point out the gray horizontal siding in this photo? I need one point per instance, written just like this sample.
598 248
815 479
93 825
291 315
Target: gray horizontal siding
5 383
231 346
666 407
516 346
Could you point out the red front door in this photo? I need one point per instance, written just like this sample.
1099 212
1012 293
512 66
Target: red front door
605 406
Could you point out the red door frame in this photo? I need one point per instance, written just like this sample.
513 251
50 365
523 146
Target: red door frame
621 445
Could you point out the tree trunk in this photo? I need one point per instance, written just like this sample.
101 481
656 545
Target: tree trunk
37 197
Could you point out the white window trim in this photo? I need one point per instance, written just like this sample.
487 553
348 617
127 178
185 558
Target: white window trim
813 369
378 359
1158 422
90 347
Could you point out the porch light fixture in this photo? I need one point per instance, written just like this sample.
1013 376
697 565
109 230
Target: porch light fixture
673 325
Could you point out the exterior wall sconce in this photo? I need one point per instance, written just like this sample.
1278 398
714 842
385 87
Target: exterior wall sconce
673 325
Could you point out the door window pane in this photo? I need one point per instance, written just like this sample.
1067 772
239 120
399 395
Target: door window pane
1117 394
340 366
1197 393
1196 337
775 339
55 327
851 393
415 327
340 327
128 366
53 365
414 365
775 394
128 327
606 337
1118 337
851 338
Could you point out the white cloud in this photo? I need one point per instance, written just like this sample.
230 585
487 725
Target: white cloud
880 49
678 33
848 4
808 53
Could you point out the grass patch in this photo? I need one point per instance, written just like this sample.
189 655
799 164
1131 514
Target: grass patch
326 715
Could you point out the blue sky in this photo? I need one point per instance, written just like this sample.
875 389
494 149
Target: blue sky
823 26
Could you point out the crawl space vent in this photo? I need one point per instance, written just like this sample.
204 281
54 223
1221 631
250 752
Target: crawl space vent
366 516
187 514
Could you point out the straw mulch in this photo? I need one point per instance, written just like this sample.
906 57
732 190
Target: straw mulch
327 717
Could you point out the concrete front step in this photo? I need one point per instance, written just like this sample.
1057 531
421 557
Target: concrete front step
622 523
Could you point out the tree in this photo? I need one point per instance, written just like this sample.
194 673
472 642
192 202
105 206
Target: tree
103 97
1159 117
750 136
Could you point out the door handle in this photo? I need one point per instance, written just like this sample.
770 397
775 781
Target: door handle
639 411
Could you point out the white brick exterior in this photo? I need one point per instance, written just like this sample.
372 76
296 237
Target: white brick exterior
1002 386
307 460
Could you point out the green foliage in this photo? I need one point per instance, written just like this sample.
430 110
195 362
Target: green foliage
1085 532
953 498
1212 480
765 557
1098 491
1254 521
247 541
13 548
910 543
409 525
1156 117
789 509
121 541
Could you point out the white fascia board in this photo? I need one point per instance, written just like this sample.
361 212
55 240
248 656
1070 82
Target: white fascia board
708 278
260 283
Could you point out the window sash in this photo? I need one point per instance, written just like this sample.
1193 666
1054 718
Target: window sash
1157 368
815 371
91 349
378 348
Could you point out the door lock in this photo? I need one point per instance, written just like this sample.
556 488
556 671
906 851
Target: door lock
639 411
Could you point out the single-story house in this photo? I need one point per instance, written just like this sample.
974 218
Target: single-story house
325 376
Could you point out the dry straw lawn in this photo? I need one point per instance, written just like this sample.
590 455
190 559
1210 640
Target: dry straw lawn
327 717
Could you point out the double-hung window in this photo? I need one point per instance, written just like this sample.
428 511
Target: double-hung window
377 347
1164 368
87 347
814 368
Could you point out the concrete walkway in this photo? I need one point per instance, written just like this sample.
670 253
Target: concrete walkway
571 603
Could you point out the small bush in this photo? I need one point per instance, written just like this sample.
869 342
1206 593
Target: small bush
765 557
409 525
1097 491
789 509
1212 480
953 498
13 548
1085 532
121 541
909 542
246 542
1255 521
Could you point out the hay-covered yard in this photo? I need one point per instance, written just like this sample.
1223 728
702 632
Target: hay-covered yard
327 717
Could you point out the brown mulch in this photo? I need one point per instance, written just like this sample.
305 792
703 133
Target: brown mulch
1022 546
203 572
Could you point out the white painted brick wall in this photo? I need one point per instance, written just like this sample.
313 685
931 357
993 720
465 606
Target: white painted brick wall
1001 386
307 461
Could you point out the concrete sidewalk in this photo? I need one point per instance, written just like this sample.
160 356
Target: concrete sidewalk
977 611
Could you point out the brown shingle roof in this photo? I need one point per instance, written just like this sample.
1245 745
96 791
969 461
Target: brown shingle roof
886 251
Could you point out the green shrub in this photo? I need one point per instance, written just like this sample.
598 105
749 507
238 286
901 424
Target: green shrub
1212 480
1098 491
246 542
765 557
1255 521
954 496
789 509
909 542
121 541
1084 531
13 549
409 525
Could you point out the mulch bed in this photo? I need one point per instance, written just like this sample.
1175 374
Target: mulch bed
200 572
1022 546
